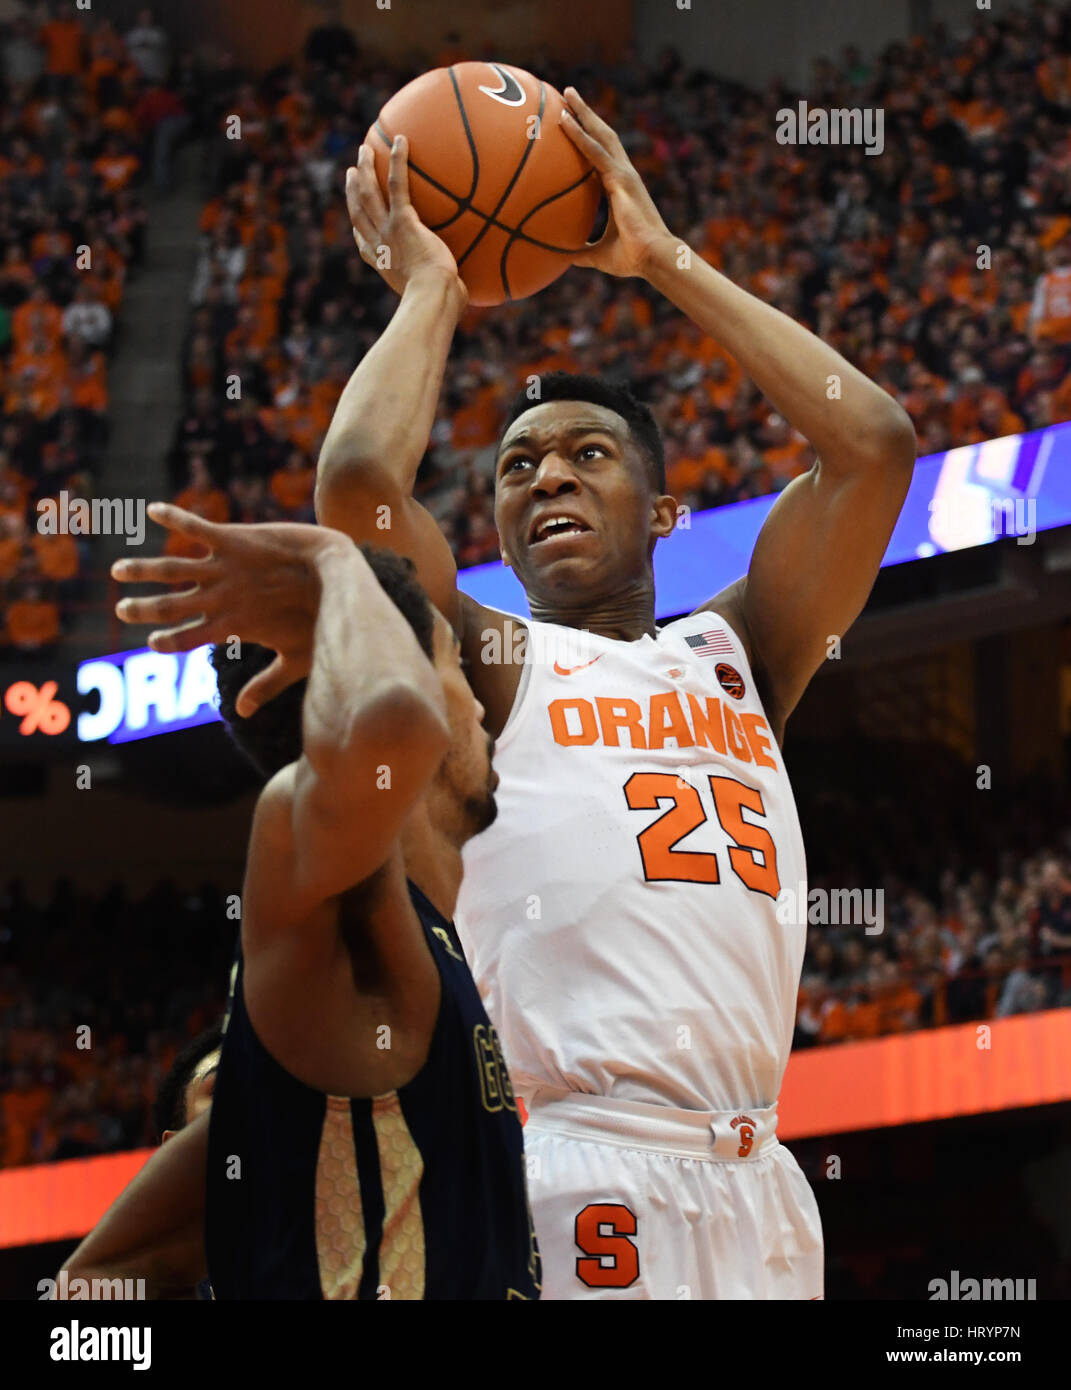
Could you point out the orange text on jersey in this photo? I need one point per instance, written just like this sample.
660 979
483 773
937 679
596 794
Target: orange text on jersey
579 723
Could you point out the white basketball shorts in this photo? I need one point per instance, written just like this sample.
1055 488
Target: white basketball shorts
643 1201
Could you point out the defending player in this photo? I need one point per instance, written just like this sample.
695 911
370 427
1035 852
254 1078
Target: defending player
363 1138
187 1089
620 916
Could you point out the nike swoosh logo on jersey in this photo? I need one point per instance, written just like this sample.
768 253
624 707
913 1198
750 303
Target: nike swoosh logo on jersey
568 670
511 93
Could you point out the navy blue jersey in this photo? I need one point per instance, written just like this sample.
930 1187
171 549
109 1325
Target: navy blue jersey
419 1193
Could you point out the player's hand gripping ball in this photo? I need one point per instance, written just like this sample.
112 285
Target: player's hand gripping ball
493 174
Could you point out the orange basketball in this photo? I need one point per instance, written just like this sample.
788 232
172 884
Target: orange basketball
492 173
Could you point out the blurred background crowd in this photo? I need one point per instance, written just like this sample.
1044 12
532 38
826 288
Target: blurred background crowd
943 269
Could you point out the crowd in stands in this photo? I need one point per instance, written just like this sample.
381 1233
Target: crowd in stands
942 268
977 949
84 112
83 1050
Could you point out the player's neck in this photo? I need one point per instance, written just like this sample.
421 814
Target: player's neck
432 861
625 616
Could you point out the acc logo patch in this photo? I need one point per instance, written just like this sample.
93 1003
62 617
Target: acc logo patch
730 680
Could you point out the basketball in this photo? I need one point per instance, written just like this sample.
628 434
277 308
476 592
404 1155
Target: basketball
492 173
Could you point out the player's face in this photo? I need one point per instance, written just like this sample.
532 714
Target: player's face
577 460
201 1086
466 774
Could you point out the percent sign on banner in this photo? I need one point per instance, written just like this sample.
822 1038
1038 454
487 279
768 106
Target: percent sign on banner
39 708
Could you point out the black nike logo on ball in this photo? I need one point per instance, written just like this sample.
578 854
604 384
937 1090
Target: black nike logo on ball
511 93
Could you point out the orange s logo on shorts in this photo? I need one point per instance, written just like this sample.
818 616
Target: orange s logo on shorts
746 1125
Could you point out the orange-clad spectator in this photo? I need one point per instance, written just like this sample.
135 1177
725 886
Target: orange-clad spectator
33 390
12 540
1061 400
1054 228
261 294
721 382
57 556
292 485
116 166
252 126
833 1026
902 1005
1050 312
864 1017
51 243
335 226
995 419
325 393
476 424
697 458
306 422
203 498
36 318
624 315
785 452
965 412
107 54
23 1108
1054 78
1042 371
106 274
41 356
87 377
62 39
33 621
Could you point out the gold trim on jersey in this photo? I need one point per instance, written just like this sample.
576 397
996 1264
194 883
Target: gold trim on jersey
340 1233
401 1252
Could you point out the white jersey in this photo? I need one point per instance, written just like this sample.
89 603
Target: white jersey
620 915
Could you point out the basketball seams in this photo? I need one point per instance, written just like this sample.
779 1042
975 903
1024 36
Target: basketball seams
516 234
493 219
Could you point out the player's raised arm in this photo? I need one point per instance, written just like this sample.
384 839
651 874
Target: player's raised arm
383 420
374 726
374 730
820 551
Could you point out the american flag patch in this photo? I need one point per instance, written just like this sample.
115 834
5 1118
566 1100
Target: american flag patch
713 643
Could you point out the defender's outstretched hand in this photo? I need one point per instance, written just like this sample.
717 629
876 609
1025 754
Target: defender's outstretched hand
260 583
393 240
635 227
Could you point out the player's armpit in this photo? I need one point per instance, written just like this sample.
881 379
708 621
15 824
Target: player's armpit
154 1230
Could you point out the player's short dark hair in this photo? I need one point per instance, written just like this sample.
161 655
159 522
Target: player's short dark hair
169 1108
575 386
271 738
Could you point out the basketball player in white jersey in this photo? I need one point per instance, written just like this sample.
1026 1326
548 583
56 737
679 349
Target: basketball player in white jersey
620 916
